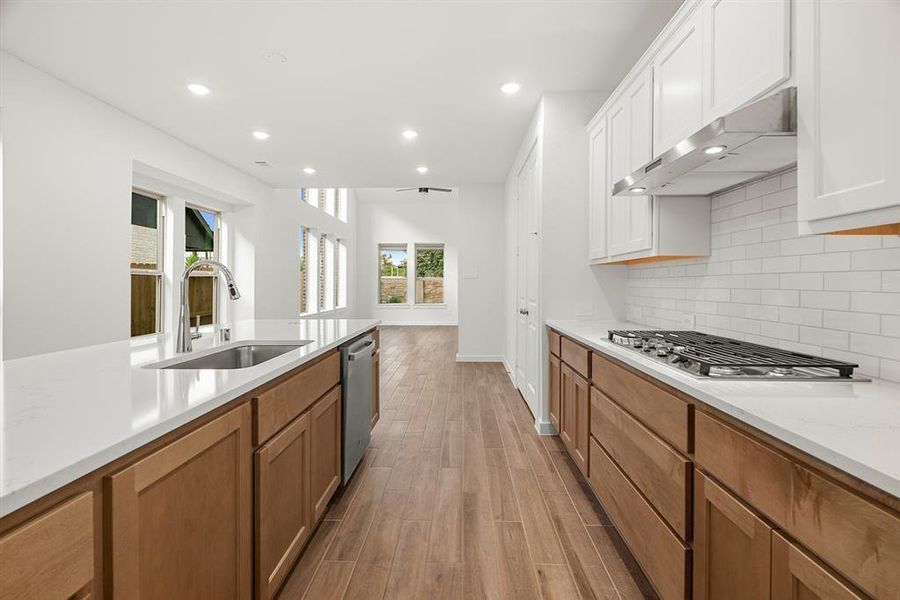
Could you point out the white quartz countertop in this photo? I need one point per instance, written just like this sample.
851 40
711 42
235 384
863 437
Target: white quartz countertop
853 426
65 414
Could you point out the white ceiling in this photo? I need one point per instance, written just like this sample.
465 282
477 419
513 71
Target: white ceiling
357 74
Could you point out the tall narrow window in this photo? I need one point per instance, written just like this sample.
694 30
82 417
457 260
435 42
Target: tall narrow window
429 274
146 263
304 270
330 201
340 275
392 274
311 196
343 199
201 241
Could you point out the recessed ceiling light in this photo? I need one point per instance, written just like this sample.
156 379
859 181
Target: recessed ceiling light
715 149
423 169
198 89
410 134
261 135
277 57
510 88
309 170
637 190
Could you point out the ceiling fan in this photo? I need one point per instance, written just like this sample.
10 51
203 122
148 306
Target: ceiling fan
425 190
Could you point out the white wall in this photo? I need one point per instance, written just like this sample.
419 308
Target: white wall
387 216
68 167
482 265
278 253
836 296
570 287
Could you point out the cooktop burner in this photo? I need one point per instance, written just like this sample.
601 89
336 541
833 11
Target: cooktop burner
705 355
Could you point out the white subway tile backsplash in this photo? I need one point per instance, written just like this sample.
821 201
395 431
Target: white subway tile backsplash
780 297
838 296
851 321
876 260
831 300
865 281
885 303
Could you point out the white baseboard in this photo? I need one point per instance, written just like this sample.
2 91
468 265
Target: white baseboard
545 428
478 358
509 371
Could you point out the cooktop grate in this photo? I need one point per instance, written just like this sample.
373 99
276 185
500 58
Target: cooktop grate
716 351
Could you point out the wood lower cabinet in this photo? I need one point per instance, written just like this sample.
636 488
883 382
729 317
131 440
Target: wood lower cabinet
283 507
554 392
732 546
797 576
376 387
325 451
179 520
52 555
574 415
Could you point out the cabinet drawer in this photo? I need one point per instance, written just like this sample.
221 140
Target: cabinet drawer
52 555
662 555
855 536
555 340
659 472
576 356
280 404
666 415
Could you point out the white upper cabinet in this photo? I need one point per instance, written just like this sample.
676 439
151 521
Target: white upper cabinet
629 220
848 93
599 187
677 84
746 52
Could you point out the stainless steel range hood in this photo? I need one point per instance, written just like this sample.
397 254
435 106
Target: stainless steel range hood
753 141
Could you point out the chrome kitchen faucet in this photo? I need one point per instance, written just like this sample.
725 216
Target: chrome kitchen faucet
183 342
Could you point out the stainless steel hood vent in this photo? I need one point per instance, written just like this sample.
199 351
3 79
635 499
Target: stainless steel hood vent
751 142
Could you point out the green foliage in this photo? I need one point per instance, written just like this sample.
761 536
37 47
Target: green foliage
189 260
389 269
395 300
430 262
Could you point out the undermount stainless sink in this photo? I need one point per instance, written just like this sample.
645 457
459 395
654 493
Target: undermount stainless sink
237 357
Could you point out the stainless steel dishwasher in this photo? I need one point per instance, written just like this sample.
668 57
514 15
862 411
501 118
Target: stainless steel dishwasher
356 406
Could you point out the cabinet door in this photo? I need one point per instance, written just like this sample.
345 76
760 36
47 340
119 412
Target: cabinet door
731 546
52 555
554 392
629 219
567 406
677 82
376 387
746 52
283 506
600 186
848 127
325 451
582 432
797 576
180 519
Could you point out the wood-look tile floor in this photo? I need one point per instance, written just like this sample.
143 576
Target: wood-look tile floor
459 497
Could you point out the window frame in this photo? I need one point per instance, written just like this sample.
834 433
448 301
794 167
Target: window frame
159 272
378 302
415 277
217 237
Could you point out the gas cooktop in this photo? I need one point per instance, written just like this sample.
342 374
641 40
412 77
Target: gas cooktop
703 355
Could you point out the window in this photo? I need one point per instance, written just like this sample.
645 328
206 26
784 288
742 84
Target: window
146 263
392 274
429 274
304 270
330 201
201 241
311 196
340 275
328 289
343 199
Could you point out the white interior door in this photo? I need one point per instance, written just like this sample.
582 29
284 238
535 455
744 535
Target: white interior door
528 318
